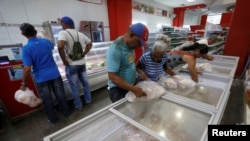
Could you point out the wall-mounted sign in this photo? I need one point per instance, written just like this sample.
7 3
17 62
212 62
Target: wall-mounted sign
149 9
15 72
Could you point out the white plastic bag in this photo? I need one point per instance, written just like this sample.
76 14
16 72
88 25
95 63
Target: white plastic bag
200 67
207 67
27 97
167 82
151 88
183 82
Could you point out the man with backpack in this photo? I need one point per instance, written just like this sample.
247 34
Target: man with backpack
69 42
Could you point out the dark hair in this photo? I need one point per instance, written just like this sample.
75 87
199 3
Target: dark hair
28 29
202 47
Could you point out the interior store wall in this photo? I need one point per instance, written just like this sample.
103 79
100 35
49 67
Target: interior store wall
15 12
153 22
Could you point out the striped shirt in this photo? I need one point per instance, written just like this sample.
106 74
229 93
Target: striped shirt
153 69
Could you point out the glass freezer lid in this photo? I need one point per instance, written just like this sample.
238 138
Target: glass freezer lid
220 70
215 69
202 93
168 119
100 126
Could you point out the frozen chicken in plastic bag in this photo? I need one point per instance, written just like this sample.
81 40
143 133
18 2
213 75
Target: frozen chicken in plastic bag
204 67
151 88
27 97
183 82
167 82
200 67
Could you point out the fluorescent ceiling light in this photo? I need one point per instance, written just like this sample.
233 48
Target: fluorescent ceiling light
190 0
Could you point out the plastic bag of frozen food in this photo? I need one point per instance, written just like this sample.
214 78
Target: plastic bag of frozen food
200 67
167 82
27 97
183 82
151 88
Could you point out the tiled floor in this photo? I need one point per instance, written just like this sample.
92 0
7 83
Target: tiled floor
35 126
236 109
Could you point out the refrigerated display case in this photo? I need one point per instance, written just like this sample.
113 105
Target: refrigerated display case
221 65
93 29
52 29
95 59
156 120
180 114
11 73
95 63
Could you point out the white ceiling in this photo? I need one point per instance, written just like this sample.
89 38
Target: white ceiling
213 6
181 3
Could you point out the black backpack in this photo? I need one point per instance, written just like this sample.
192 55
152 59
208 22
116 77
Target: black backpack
77 51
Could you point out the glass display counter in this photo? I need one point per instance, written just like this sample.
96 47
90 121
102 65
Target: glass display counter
221 65
95 63
178 115
156 120
208 92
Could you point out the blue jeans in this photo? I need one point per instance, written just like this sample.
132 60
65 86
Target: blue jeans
116 94
74 74
45 90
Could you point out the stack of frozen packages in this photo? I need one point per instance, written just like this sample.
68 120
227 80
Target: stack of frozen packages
201 67
151 88
176 81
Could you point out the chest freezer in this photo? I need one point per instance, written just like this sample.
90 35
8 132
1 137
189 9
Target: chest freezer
156 120
209 92
222 65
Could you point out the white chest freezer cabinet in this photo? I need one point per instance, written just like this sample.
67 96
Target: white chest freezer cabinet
178 115
222 65
156 120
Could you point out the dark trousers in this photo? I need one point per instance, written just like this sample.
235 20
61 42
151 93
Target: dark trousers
45 91
116 94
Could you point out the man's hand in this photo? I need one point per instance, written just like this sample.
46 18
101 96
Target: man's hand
143 75
139 92
23 88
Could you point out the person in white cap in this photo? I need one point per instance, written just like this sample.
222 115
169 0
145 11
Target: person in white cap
120 62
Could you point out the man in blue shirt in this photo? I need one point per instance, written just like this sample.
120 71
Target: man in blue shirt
120 62
38 60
